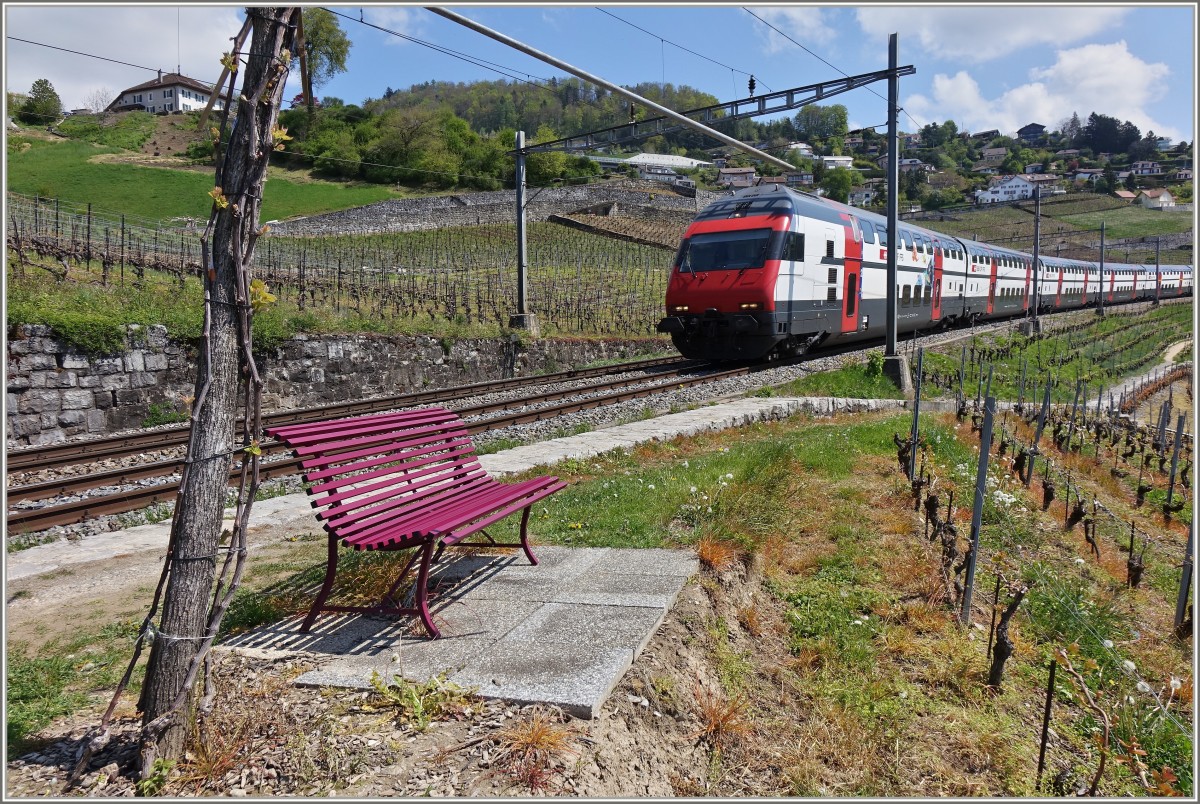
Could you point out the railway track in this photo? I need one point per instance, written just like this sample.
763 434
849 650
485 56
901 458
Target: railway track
140 486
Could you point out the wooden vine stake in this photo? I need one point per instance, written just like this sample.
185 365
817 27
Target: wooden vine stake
194 596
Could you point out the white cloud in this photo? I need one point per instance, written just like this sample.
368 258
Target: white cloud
400 19
807 25
145 36
979 34
1106 79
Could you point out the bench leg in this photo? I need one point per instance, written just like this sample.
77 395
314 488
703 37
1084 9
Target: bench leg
423 590
525 536
326 588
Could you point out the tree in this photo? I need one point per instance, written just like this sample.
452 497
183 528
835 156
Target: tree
43 106
99 99
837 183
327 46
1131 182
192 611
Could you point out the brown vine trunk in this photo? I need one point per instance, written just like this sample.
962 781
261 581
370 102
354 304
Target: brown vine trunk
196 529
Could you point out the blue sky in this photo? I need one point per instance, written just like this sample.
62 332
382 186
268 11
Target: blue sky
983 66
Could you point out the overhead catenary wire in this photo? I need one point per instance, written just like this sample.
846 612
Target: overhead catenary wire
681 47
815 56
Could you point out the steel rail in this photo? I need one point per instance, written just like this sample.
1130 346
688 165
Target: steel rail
34 519
77 452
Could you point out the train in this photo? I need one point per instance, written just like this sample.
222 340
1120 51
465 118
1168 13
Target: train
772 272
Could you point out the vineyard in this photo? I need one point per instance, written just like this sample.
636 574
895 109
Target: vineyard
579 283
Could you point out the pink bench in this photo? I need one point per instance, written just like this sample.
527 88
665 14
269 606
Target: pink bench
396 481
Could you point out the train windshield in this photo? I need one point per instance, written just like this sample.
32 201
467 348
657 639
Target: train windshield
725 251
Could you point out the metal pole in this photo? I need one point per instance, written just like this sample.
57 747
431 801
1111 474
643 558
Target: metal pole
893 200
522 256
1175 457
962 370
1185 581
1164 414
1037 239
1045 725
1074 409
985 447
616 90
1021 390
991 369
912 456
1033 451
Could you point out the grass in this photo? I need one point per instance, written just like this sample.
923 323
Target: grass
855 381
65 170
59 678
849 675
125 131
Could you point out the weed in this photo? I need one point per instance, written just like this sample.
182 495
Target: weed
418 705
534 751
163 414
717 554
156 780
723 721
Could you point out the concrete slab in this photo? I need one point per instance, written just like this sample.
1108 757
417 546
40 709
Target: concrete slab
576 678
575 624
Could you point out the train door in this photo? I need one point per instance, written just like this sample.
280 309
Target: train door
938 255
1112 283
852 276
991 302
1083 296
1028 280
1133 291
1058 292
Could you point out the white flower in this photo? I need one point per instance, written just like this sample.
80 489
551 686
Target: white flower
685 464
1175 683
1143 687
729 475
651 487
1129 667
694 489
1108 643
903 693
1079 561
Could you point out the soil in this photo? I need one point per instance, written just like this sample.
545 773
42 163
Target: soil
647 740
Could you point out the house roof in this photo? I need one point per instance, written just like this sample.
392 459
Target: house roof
170 79
1155 193
736 171
665 160
1128 196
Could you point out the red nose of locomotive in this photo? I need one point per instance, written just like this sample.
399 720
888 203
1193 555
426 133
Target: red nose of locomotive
720 301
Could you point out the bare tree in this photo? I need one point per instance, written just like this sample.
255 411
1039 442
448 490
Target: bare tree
98 99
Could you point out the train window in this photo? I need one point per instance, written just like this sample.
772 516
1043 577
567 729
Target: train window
883 236
928 294
868 231
832 294
906 299
793 248
829 248
851 294
720 251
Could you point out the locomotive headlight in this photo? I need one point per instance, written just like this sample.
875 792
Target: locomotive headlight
751 306
679 308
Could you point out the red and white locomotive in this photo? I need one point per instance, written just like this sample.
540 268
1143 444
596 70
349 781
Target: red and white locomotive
773 271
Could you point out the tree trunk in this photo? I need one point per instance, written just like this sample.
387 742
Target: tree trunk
186 627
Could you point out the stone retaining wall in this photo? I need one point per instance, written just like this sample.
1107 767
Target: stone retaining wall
473 209
56 392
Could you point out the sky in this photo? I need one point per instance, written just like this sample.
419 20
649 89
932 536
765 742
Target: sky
982 66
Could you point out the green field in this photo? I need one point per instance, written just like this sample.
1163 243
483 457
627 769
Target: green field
63 170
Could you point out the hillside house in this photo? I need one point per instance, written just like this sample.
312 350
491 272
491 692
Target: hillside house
990 134
831 162
1146 168
854 141
994 156
1126 195
802 148
1164 143
1156 199
656 173
802 178
1031 133
1088 174
862 196
907 165
985 168
1068 153
1036 167
912 140
1183 174
741 177
1005 188
167 93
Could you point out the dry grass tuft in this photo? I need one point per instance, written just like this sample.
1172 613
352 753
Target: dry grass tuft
751 619
534 752
723 721
716 554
